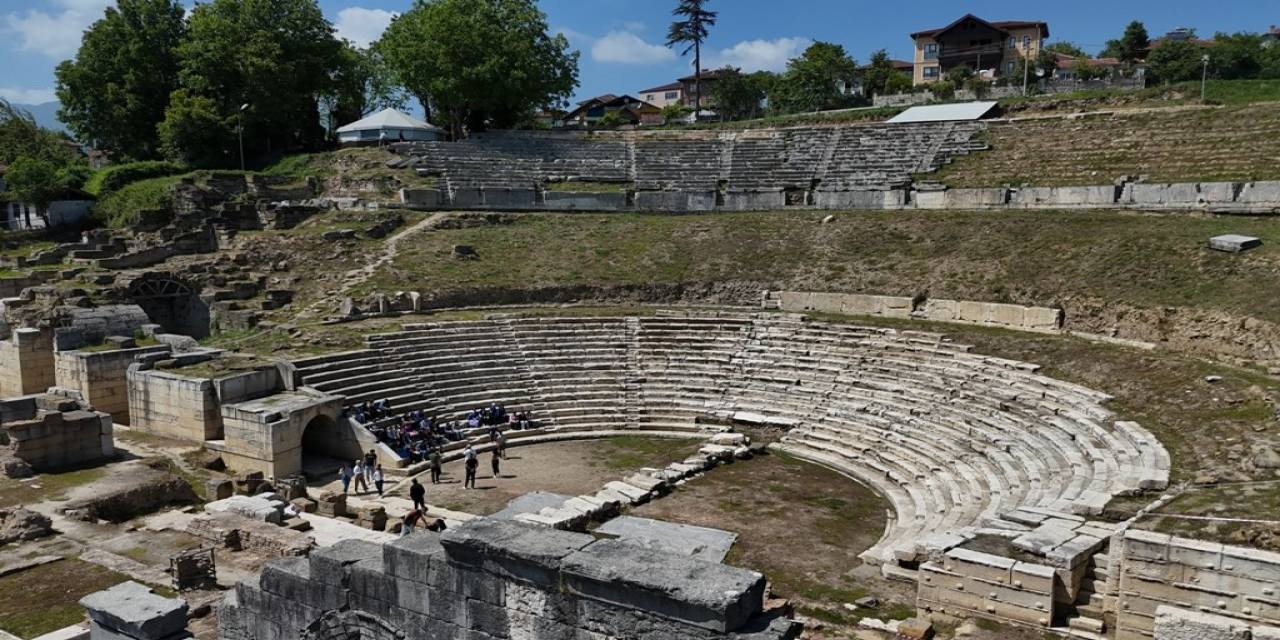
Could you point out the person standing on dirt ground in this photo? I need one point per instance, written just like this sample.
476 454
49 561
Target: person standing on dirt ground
358 472
471 462
435 465
495 462
370 462
378 479
344 474
418 494
501 444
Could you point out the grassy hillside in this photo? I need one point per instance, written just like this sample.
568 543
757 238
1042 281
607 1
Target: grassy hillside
1034 257
1237 143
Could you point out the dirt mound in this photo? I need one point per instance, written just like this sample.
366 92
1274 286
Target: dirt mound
23 524
141 494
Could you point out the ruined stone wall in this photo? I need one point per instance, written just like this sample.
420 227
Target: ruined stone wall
991 314
1157 570
965 583
101 377
173 406
26 362
55 440
499 580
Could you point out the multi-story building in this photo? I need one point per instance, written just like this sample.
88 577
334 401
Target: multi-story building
993 48
667 94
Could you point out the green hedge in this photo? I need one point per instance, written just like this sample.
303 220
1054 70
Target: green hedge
106 180
127 205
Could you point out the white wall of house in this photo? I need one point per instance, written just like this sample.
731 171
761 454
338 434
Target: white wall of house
13 215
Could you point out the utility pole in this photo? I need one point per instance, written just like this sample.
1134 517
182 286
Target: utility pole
1026 67
1204 76
240 130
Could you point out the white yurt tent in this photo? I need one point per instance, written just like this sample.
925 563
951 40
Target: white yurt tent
391 122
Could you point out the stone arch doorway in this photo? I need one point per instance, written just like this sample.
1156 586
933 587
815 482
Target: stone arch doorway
325 446
172 303
350 625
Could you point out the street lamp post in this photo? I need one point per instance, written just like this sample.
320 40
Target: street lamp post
240 130
1204 76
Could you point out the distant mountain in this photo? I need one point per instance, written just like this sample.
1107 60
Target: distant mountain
46 114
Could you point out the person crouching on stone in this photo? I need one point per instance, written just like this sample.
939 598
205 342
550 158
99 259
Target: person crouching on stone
411 521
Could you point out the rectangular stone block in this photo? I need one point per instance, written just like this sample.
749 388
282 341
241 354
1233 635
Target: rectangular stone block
512 550
585 201
420 198
754 201
331 565
1173 623
509 198
696 592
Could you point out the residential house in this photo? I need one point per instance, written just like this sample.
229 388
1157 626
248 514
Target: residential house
631 109
1067 65
665 95
1271 37
23 215
689 86
991 48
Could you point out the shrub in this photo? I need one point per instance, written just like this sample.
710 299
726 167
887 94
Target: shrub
143 201
943 89
106 180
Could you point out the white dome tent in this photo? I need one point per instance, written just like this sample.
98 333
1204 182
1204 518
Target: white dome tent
393 123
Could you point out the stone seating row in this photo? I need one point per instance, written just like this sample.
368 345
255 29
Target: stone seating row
950 437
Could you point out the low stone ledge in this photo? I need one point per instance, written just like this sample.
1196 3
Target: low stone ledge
512 550
133 611
699 593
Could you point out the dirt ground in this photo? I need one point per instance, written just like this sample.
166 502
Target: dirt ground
569 468
801 525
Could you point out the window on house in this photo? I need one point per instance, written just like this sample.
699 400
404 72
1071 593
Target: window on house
1013 42
673 95
1008 67
931 51
650 98
930 72
1026 42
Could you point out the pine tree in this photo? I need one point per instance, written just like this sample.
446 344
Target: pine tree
691 30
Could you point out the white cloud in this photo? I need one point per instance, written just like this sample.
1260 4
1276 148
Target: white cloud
622 47
28 96
362 26
759 55
53 33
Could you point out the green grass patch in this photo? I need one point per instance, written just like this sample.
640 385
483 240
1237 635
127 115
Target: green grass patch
107 346
50 596
45 486
145 200
628 453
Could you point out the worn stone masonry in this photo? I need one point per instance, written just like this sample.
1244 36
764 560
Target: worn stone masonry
499 580
48 432
101 376
26 362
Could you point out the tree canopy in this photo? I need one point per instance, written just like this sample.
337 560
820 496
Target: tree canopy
479 63
878 74
22 137
1131 46
690 29
1176 61
362 84
738 96
813 81
1067 49
116 89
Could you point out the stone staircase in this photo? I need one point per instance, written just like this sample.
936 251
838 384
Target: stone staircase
1086 618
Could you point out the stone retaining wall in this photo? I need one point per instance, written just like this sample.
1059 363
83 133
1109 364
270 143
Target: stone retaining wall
1219 197
173 406
26 363
51 440
101 377
991 314
988 586
1158 570
499 580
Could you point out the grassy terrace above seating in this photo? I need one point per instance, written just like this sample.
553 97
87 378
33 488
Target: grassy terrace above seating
1029 258
1192 144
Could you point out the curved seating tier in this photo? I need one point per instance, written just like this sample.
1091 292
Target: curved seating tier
950 437
832 158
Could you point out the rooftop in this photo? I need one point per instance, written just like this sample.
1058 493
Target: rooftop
999 25
666 87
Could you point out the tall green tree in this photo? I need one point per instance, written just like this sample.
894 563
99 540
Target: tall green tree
361 85
1131 46
22 137
115 91
276 56
691 28
739 96
877 74
479 63
1236 56
1175 61
813 80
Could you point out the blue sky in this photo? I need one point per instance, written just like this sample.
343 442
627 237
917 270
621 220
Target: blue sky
621 40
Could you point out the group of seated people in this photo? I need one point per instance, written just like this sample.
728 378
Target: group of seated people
415 434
